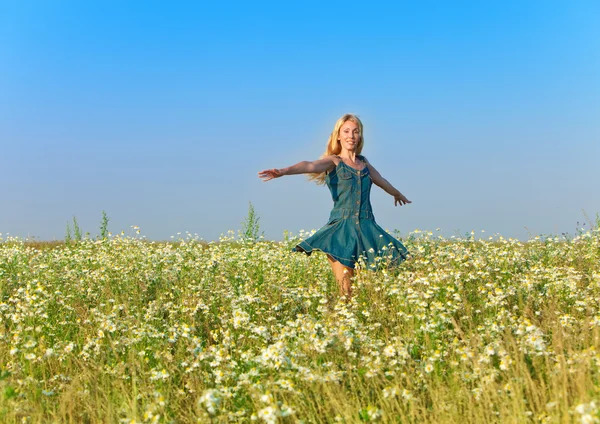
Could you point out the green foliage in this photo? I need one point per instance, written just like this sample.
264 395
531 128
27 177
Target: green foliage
9 392
68 235
465 331
104 225
250 227
73 234
76 230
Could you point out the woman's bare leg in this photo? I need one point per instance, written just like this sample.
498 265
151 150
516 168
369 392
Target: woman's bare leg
343 276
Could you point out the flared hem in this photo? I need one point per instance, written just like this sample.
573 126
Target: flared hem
304 247
308 249
350 242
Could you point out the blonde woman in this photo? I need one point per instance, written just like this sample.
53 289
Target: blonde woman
351 233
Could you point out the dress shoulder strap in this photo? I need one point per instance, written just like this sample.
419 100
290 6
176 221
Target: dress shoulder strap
339 158
364 159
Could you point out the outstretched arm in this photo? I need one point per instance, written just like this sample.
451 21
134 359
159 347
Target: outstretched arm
304 167
387 187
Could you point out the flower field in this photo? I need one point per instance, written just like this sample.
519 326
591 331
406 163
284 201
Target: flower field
468 330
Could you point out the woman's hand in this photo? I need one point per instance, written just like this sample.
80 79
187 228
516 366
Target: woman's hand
400 198
385 185
269 174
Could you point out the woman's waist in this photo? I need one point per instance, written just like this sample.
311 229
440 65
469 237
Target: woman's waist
347 213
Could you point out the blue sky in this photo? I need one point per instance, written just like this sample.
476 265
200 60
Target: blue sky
484 114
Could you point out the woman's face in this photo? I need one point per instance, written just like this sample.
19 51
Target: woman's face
349 136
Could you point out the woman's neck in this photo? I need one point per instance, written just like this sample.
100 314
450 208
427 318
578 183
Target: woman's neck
348 154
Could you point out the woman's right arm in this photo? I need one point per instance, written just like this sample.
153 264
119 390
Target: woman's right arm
304 167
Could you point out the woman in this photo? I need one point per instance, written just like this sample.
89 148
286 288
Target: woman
351 233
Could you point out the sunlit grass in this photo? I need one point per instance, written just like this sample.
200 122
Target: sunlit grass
470 331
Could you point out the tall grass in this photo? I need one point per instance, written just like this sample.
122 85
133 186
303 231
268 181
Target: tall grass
470 331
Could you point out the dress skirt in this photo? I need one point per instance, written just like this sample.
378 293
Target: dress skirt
349 243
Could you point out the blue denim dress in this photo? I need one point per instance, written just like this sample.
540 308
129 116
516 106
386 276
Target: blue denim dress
352 233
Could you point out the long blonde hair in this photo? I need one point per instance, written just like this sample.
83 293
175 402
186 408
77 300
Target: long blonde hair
334 147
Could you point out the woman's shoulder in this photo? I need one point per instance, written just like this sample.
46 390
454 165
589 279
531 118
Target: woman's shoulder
333 158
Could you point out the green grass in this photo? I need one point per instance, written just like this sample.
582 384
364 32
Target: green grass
469 331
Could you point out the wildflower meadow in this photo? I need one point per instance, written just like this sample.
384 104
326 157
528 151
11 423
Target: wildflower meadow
468 330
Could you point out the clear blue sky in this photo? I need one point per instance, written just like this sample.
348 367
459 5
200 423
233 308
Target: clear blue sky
485 114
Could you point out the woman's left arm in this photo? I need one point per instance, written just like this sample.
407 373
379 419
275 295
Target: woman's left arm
386 186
